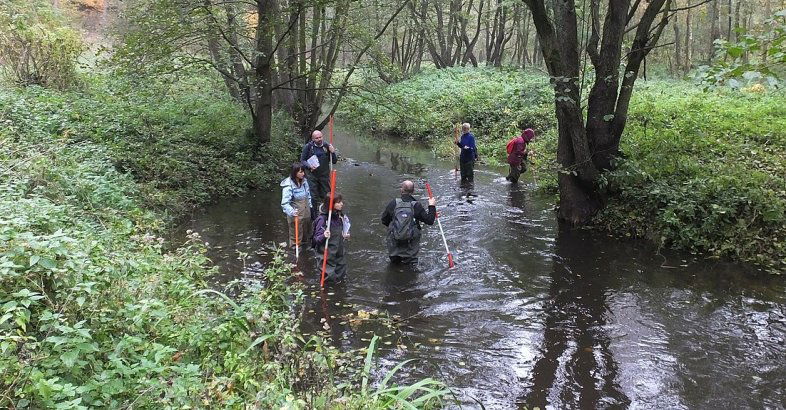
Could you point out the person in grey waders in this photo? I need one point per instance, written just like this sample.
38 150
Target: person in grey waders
296 203
316 158
403 216
336 267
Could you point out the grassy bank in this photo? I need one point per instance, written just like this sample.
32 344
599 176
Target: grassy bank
705 171
96 312
182 150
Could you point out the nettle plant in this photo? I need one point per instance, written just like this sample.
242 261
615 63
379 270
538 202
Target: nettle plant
756 59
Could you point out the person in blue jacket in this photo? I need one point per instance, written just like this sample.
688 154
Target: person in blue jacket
296 202
469 153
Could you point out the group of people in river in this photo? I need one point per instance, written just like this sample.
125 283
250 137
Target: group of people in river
305 200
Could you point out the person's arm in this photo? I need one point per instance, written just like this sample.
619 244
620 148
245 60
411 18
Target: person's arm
521 148
473 146
387 216
319 232
286 198
427 217
333 155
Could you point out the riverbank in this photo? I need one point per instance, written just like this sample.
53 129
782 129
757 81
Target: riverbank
97 310
704 171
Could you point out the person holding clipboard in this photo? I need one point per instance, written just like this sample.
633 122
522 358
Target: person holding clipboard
316 157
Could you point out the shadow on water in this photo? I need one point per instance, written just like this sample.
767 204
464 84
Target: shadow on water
531 315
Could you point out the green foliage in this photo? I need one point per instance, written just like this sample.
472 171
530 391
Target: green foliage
755 58
430 104
37 47
183 143
705 173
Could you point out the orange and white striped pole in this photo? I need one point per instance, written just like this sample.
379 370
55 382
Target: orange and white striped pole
456 140
297 239
327 228
330 141
445 241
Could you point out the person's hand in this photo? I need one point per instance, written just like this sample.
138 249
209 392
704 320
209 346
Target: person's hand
327 234
346 235
331 148
466 147
295 214
432 201
313 168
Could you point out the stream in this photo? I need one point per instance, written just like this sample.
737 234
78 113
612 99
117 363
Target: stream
531 315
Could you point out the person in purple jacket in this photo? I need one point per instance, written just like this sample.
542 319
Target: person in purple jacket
335 236
469 153
517 159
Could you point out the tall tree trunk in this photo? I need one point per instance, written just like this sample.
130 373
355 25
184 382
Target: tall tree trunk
218 58
713 15
766 46
729 31
582 151
688 42
264 60
677 49
525 41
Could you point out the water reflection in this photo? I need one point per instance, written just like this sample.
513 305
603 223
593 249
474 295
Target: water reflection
406 165
576 367
402 293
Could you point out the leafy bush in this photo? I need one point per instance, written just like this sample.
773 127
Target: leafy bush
182 142
705 173
742 60
429 105
37 47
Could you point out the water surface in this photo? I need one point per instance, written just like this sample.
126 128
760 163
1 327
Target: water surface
531 315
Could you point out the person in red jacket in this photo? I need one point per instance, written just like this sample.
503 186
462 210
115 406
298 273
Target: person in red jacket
517 159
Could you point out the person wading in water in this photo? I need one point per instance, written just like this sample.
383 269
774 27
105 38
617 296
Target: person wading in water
318 176
296 203
336 267
403 216
517 157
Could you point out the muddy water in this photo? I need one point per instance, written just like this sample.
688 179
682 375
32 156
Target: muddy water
531 315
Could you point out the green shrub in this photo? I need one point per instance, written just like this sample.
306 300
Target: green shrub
37 47
183 143
705 172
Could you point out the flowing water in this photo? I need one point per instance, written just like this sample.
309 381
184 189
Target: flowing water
531 315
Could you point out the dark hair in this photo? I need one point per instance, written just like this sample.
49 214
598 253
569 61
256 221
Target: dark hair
296 167
336 199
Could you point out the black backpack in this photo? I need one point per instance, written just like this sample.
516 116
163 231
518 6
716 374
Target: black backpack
402 227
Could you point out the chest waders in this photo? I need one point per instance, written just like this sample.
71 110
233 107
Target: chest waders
404 251
336 266
303 221
319 179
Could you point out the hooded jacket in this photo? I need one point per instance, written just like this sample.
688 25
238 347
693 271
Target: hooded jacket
292 192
